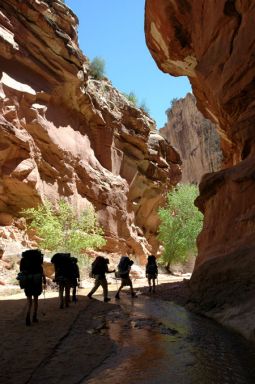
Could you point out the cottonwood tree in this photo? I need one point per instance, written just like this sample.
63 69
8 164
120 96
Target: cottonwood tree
61 229
180 224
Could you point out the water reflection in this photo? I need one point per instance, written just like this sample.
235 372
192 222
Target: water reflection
160 342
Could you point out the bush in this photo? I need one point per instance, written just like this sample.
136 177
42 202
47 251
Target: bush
97 68
143 106
131 96
180 224
61 230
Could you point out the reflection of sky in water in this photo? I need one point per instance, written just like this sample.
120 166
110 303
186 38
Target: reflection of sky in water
151 351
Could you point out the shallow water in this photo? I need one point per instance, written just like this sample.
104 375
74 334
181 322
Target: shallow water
160 342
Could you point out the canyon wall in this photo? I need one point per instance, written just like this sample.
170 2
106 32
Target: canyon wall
194 137
213 44
65 134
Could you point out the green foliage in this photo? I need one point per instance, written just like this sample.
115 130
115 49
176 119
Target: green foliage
97 68
143 106
62 229
180 224
131 96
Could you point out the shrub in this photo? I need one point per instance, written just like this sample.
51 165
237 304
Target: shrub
61 229
131 96
180 224
144 108
97 68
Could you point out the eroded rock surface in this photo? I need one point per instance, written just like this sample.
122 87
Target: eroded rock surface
194 137
212 43
66 134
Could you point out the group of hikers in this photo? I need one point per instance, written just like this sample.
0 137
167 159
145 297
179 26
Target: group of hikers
67 276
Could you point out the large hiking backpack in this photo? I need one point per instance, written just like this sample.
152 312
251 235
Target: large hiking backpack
98 267
63 269
30 268
124 265
152 269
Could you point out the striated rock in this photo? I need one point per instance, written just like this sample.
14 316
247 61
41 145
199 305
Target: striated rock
195 138
212 43
64 134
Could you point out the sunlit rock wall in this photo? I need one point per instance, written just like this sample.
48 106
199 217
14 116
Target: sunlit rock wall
212 42
194 137
64 134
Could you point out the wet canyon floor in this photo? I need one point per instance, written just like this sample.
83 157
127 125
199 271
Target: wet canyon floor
161 342
130 341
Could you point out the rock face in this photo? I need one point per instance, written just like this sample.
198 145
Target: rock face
212 43
195 138
64 134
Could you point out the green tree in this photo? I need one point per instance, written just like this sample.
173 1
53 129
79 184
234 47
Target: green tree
180 224
97 68
62 229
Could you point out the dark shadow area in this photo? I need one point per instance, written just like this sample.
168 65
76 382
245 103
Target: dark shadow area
42 352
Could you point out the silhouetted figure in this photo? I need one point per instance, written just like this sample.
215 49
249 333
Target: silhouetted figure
124 268
63 277
151 272
31 278
75 279
99 269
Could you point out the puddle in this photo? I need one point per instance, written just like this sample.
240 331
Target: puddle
159 342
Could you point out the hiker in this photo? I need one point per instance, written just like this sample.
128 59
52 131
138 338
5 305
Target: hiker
75 277
124 268
99 269
63 277
151 271
31 278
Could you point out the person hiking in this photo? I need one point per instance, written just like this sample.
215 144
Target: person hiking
75 277
63 277
32 278
99 269
151 271
124 268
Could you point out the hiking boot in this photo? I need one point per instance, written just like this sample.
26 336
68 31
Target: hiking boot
117 296
150 290
107 299
28 321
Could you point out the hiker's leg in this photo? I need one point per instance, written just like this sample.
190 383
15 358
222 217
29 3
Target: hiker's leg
96 285
153 285
35 309
117 296
149 282
61 294
67 293
74 294
133 294
105 287
29 307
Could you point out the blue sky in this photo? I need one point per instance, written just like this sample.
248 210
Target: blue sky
114 31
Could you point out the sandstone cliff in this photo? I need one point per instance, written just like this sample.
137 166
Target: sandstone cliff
66 134
194 137
213 44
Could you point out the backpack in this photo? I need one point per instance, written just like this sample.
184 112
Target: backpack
30 268
152 269
124 265
98 267
63 268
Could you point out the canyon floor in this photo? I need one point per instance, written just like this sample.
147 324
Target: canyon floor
150 339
